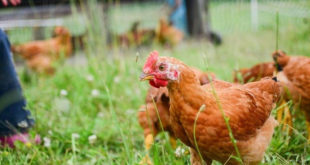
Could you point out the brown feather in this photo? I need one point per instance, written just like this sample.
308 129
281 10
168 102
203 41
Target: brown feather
255 73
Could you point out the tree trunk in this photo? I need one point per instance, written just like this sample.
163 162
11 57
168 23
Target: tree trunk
197 17
198 21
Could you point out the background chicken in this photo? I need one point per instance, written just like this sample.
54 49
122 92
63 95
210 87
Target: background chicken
154 116
136 36
254 73
294 75
40 55
167 34
247 106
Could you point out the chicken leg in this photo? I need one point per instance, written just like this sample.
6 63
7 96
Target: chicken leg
308 130
195 159
307 114
148 142
173 142
284 117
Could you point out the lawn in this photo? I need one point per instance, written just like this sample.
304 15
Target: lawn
102 96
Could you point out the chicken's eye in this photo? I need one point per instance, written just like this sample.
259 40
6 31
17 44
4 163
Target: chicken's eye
161 67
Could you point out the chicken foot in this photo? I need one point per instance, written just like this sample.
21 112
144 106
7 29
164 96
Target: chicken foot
195 159
284 117
308 125
148 142
173 142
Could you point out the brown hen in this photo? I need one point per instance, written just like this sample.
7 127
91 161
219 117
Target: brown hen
154 116
153 123
247 106
136 36
167 34
294 75
40 55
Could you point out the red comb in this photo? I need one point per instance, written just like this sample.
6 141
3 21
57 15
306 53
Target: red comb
150 61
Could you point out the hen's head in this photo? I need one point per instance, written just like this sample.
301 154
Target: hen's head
160 70
280 59
61 31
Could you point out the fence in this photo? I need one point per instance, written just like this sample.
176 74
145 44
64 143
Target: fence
252 15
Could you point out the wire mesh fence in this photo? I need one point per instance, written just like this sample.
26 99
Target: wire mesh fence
227 16
241 16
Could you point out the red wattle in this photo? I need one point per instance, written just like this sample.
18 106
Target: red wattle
158 83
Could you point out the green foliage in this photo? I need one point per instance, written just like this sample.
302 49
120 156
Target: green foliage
110 113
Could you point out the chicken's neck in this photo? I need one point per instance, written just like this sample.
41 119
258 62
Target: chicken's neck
187 91
64 39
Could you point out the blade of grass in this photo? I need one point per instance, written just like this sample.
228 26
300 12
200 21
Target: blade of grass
226 119
277 30
117 123
202 108
161 124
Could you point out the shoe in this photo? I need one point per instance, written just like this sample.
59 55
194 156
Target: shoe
22 137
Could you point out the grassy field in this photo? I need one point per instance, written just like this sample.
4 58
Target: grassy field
102 97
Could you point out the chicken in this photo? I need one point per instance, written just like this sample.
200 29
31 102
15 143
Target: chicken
154 116
164 34
40 55
257 72
167 34
254 73
294 75
246 106
136 36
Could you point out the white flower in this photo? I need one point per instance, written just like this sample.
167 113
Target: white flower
90 78
50 132
179 152
75 135
100 114
63 92
62 104
95 93
92 139
47 142
117 79
130 111
138 92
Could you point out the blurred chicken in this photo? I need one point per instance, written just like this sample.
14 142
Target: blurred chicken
40 55
167 34
254 73
294 75
136 36
247 106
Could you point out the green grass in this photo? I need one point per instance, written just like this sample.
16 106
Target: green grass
112 115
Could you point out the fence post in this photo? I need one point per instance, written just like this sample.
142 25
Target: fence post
254 14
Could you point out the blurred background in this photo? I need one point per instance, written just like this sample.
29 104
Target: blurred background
97 26
95 90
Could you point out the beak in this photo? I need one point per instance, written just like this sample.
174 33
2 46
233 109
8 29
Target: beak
145 76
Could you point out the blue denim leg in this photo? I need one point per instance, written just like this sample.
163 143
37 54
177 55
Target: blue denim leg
13 115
